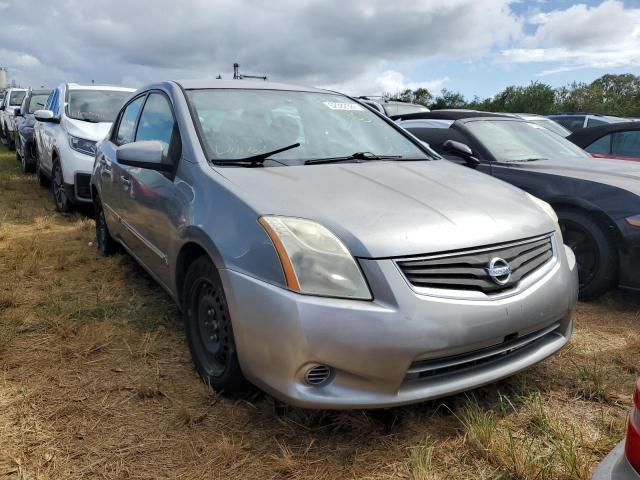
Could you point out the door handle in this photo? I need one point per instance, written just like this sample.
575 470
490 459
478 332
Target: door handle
126 181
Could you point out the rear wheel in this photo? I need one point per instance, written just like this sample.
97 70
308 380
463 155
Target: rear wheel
106 244
60 198
208 328
596 254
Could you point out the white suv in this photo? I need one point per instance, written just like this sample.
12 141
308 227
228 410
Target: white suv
74 119
12 100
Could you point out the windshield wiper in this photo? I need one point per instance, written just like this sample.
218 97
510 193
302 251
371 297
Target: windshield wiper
255 160
354 156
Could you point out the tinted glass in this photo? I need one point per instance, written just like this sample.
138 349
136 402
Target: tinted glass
95 105
127 127
515 141
602 145
156 121
15 99
594 122
626 144
239 123
37 102
572 123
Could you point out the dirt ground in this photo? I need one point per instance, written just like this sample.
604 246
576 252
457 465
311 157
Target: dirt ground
96 382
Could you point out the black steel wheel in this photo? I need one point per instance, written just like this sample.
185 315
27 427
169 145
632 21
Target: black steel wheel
208 328
595 252
60 198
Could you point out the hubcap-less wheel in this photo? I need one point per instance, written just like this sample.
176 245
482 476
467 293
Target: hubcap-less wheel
209 329
585 249
214 346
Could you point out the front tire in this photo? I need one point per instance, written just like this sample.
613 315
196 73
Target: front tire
595 251
60 198
208 328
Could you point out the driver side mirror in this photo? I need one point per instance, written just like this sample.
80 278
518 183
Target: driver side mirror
461 150
2 107
46 116
17 112
147 154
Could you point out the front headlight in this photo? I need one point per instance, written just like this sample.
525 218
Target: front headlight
552 213
314 260
544 206
88 147
634 220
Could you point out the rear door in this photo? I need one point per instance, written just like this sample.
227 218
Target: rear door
48 133
148 210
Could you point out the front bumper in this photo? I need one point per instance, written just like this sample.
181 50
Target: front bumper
615 466
370 346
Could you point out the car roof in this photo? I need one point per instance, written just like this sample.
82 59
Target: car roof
586 136
449 115
76 86
243 85
40 91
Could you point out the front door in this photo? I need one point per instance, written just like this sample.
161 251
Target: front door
147 209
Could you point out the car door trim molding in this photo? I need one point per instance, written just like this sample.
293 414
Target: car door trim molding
138 235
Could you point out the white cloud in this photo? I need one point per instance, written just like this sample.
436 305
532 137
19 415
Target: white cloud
603 36
374 82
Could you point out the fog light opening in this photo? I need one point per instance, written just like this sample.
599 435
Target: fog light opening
317 375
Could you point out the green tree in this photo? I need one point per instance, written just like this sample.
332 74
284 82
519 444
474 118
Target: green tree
448 99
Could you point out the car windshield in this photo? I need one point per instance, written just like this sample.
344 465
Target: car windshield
240 123
553 126
36 102
518 141
15 100
95 105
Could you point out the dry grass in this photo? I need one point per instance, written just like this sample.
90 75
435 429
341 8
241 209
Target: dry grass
96 382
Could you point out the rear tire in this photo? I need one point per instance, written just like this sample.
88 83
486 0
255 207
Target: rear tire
60 198
596 253
208 328
43 180
107 246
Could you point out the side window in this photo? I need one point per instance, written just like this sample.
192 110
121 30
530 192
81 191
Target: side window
594 122
602 145
572 123
127 126
157 123
54 106
626 143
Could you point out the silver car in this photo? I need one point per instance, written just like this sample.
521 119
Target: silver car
322 253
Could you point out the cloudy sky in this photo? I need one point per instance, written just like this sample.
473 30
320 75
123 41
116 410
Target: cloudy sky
358 46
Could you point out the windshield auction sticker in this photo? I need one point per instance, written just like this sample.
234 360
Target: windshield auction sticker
343 106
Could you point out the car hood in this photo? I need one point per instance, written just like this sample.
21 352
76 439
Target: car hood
617 173
87 130
388 209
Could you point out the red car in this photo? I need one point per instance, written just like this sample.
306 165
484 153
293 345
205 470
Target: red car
623 463
615 140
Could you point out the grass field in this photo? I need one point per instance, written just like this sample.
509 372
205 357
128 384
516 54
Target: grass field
96 382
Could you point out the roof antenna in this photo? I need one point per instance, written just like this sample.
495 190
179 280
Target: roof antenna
238 76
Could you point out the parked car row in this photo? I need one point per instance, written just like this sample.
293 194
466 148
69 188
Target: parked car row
596 200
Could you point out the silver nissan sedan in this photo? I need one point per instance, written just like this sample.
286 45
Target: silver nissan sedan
322 253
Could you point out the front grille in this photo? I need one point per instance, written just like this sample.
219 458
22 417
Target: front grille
83 185
512 343
468 270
